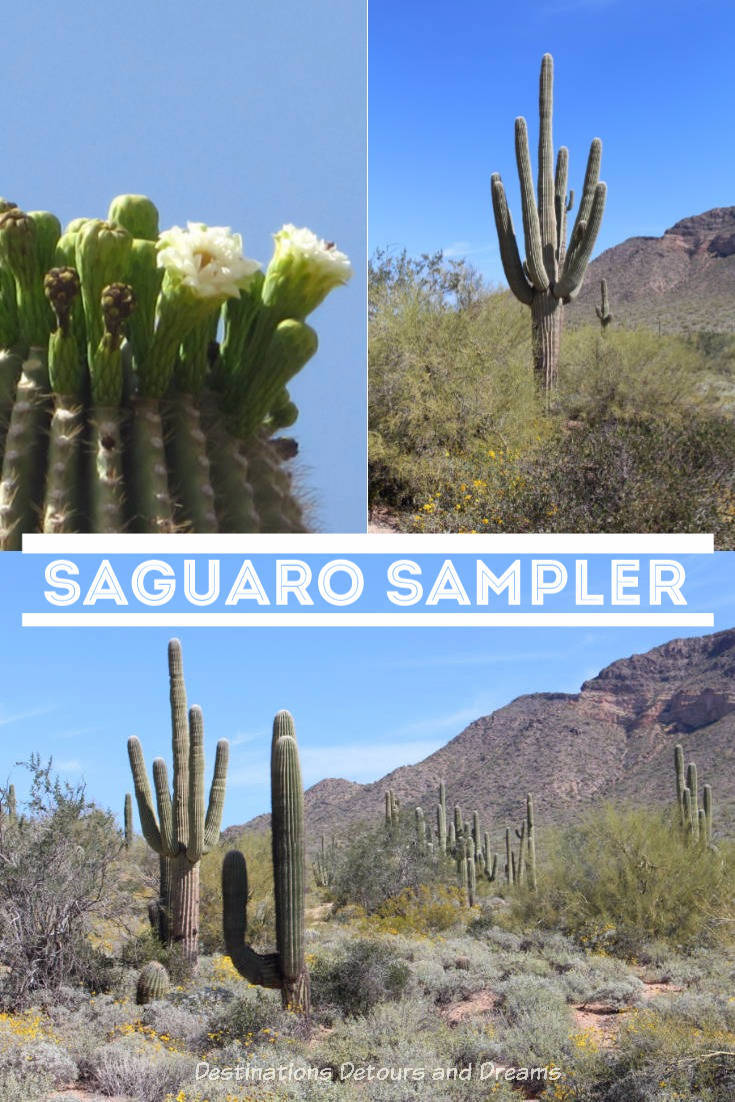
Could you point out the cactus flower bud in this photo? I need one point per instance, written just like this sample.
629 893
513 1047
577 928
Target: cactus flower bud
61 286
137 214
118 303
302 272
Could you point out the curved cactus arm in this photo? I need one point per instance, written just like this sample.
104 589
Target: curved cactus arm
546 187
143 796
180 742
261 969
512 265
531 225
580 250
213 822
195 847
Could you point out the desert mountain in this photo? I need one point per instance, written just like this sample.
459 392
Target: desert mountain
684 279
614 738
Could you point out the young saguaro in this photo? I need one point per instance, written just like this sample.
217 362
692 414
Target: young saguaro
552 273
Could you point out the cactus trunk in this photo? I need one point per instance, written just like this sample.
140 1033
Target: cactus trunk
185 906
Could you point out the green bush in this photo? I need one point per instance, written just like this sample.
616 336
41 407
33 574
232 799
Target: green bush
361 975
620 878
381 863
640 436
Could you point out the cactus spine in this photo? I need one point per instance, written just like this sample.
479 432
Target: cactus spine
184 830
153 983
603 310
285 969
552 273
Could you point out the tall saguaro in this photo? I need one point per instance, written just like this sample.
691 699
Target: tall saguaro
183 830
552 273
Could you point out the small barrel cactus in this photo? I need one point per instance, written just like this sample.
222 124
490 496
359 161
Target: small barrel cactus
153 983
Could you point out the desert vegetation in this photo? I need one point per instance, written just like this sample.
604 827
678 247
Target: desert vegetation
590 961
638 436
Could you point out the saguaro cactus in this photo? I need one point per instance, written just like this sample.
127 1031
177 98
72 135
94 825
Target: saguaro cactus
128 820
552 273
184 829
603 310
695 821
286 968
118 407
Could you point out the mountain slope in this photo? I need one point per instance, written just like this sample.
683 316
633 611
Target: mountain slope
614 738
684 279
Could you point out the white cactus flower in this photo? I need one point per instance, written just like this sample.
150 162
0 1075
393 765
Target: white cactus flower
322 256
302 272
207 259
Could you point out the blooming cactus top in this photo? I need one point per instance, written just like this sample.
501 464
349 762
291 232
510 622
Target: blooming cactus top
207 259
302 272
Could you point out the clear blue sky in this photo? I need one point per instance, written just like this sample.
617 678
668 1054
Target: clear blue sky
653 79
364 700
232 113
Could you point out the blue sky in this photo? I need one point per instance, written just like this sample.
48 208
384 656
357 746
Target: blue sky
231 113
364 700
653 79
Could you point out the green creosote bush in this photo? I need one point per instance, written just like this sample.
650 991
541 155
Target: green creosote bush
621 877
120 407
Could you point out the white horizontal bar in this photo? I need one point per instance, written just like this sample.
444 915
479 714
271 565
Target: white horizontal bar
366 619
365 544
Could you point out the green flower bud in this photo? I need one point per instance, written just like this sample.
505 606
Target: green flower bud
102 255
76 224
145 277
137 214
302 272
48 232
19 251
283 413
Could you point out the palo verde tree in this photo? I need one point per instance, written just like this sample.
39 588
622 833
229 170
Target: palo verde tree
552 272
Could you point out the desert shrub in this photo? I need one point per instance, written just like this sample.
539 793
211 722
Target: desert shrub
535 1022
245 1017
24 1085
381 863
427 909
61 875
640 436
621 877
359 976
679 1049
122 1067
261 912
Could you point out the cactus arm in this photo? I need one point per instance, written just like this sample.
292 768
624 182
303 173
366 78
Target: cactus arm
531 226
581 248
561 177
143 796
263 970
180 742
165 811
217 790
195 846
591 179
546 187
512 264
